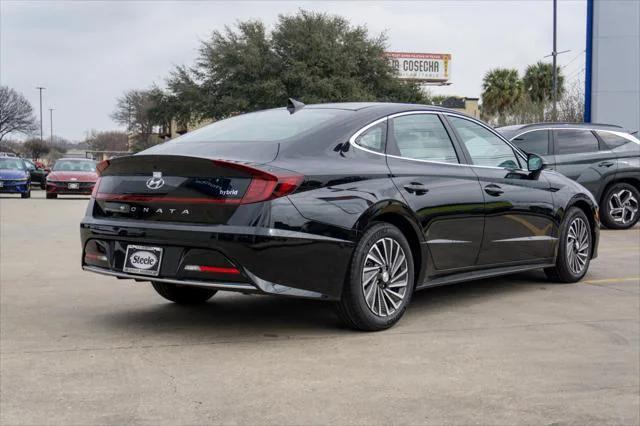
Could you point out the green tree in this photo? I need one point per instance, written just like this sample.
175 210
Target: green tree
538 85
309 56
538 82
135 111
501 92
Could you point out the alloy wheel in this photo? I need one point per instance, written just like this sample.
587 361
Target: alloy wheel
578 245
385 277
623 206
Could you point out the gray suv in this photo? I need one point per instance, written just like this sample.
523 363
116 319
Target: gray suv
604 159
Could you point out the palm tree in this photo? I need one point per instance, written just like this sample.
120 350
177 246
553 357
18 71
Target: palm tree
538 84
501 92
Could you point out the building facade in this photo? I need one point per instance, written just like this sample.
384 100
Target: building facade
612 92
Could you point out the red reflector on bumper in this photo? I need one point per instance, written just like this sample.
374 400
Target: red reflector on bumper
212 269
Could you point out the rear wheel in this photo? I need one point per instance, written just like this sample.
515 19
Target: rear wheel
620 209
574 250
184 295
380 282
50 196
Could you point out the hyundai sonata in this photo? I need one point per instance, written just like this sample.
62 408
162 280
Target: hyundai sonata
360 204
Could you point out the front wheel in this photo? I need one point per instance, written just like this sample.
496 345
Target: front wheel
51 196
574 250
183 295
619 207
26 194
380 283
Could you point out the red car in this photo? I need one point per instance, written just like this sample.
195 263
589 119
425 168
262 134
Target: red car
71 176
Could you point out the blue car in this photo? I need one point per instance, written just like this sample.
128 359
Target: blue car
14 177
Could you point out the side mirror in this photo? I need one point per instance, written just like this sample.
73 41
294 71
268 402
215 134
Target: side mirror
536 163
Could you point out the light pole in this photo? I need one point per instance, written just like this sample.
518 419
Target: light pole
41 89
555 55
51 122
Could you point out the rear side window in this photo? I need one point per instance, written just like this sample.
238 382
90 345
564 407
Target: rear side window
536 142
373 138
423 137
575 141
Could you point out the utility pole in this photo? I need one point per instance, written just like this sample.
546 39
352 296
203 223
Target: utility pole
555 55
51 122
41 89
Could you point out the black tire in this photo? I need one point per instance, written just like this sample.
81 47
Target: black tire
563 271
26 194
630 209
183 295
51 196
43 186
353 309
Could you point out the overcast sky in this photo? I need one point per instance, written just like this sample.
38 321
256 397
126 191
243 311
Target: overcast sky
87 53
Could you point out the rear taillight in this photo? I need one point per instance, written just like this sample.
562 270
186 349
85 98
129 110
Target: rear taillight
94 192
265 185
101 166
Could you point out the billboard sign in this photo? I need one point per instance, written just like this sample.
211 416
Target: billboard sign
424 67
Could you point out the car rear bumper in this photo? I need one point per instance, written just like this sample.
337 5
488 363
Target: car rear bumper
269 261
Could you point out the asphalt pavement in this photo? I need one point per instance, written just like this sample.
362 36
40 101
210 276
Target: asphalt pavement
79 348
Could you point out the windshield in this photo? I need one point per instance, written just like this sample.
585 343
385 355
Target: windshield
270 125
74 166
11 163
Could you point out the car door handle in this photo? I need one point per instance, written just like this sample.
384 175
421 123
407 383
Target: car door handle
416 188
606 164
493 189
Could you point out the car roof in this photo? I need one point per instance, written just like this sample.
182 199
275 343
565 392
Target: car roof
534 126
383 108
75 159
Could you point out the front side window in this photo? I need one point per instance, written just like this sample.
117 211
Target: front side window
536 142
613 140
423 137
373 138
575 141
485 148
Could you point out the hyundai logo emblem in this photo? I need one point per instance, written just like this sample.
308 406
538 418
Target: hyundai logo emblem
155 183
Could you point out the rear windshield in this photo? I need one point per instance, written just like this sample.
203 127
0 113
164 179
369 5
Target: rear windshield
270 125
11 163
74 166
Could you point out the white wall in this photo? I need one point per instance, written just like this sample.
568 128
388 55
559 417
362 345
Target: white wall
615 87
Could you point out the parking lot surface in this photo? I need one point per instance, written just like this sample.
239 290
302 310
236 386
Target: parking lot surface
78 348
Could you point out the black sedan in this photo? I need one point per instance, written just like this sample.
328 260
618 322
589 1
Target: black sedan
360 204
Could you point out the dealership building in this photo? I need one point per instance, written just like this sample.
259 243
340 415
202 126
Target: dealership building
612 71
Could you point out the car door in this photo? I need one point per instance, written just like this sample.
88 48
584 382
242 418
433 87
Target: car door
445 195
519 225
578 154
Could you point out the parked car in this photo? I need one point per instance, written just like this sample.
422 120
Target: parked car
71 176
355 203
604 159
14 176
37 172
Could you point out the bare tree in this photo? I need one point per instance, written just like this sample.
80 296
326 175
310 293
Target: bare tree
36 148
16 113
108 141
571 106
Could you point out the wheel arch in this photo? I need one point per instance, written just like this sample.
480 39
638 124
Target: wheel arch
399 215
591 211
631 180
